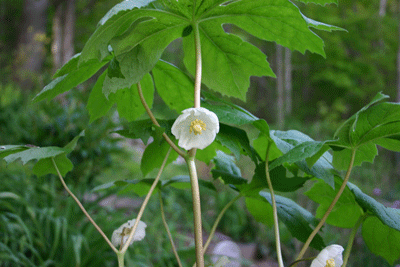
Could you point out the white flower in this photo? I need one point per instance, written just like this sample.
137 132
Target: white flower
195 128
122 233
331 256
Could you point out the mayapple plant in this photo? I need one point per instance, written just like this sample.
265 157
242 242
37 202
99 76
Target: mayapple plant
127 47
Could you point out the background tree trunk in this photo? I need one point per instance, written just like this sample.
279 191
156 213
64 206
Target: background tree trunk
280 109
31 43
62 47
288 81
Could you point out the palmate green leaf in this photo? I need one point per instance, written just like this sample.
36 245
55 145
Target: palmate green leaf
345 213
73 77
296 218
286 141
320 2
68 67
128 102
172 84
376 123
129 105
115 22
300 152
228 61
230 113
260 210
236 140
388 216
226 169
321 26
272 20
279 179
154 155
381 239
43 155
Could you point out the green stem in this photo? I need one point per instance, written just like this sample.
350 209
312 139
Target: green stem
198 235
154 120
120 257
330 208
351 240
168 232
214 227
275 212
144 204
83 208
197 82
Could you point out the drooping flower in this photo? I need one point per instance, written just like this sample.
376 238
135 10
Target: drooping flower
122 233
331 256
195 128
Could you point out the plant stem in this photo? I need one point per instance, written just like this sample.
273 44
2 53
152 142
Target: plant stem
197 82
144 204
275 212
330 208
214 227
154 120
198 235
168 232
351 240
120 257
83 208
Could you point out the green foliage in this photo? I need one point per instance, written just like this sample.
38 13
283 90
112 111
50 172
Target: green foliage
345 213
381 239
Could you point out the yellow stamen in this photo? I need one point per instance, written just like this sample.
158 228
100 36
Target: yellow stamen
330 263
197 126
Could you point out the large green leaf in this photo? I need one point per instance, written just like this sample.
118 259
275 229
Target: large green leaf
319 2
173 84
300 152
129 105
388 216
43 156
272 20
226 169
98 105
154 155
230 113
296 219
381 239
228 60
279 179
73 78
376 123
345 213
236 140
115 22
322 169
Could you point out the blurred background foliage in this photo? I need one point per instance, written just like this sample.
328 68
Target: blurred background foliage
41 226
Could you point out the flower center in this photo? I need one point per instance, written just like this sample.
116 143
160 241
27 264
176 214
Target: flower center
197 126
330 263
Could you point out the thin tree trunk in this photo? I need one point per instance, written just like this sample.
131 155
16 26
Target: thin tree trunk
382 8
69 28
56 46
31 43
288 81
280 109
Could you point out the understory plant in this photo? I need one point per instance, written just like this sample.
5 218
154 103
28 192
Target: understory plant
127 47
